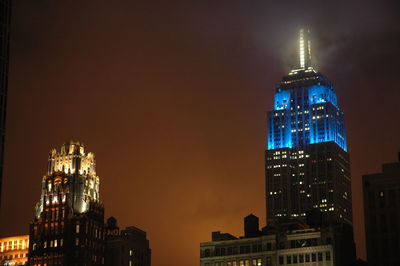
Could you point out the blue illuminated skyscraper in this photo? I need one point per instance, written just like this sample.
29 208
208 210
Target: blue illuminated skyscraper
307 164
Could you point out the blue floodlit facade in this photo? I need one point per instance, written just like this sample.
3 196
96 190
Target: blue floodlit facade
306 160
305 112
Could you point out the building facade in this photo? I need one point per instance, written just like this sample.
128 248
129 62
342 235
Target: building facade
307 164
287 242
14 250
5 17
68 228
382 215
129 247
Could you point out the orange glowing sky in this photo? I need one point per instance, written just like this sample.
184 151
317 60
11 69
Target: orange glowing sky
172 99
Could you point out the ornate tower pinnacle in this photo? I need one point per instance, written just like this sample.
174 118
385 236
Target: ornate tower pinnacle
71 179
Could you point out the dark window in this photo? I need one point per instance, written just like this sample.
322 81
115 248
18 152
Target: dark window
247 249
313 257
222 251
288 259
372 221
393 221
235 250
301 258
381 199
281 260
217 252
268 261
383 223
384 247
319 256
313 242
328 255
295 258
392 198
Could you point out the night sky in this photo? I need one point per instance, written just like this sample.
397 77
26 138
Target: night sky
172 99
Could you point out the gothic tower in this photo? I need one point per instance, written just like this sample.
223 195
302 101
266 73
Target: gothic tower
68 228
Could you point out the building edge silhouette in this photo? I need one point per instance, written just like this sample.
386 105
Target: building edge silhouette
5 22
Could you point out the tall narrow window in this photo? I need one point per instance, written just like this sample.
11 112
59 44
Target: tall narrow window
328 256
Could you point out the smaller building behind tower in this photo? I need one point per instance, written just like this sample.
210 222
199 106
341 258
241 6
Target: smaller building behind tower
129 247
382 215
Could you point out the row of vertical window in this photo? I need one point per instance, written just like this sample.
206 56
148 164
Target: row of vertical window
50 244
14 256
96 232
245 262
301 258
14 245
55 214
223 251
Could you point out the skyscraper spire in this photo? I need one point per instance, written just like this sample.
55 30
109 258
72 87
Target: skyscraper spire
304 49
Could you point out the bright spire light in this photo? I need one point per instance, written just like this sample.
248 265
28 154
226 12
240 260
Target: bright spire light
301 51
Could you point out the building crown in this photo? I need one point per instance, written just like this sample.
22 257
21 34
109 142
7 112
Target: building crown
72 159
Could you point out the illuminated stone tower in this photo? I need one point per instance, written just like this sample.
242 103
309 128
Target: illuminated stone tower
307 164
5 9
68 228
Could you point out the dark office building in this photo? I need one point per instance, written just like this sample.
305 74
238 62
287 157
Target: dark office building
68 228
251 226
5 9
129 247
382 215
307 164
284 243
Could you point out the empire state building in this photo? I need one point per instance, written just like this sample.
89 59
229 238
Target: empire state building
306 160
